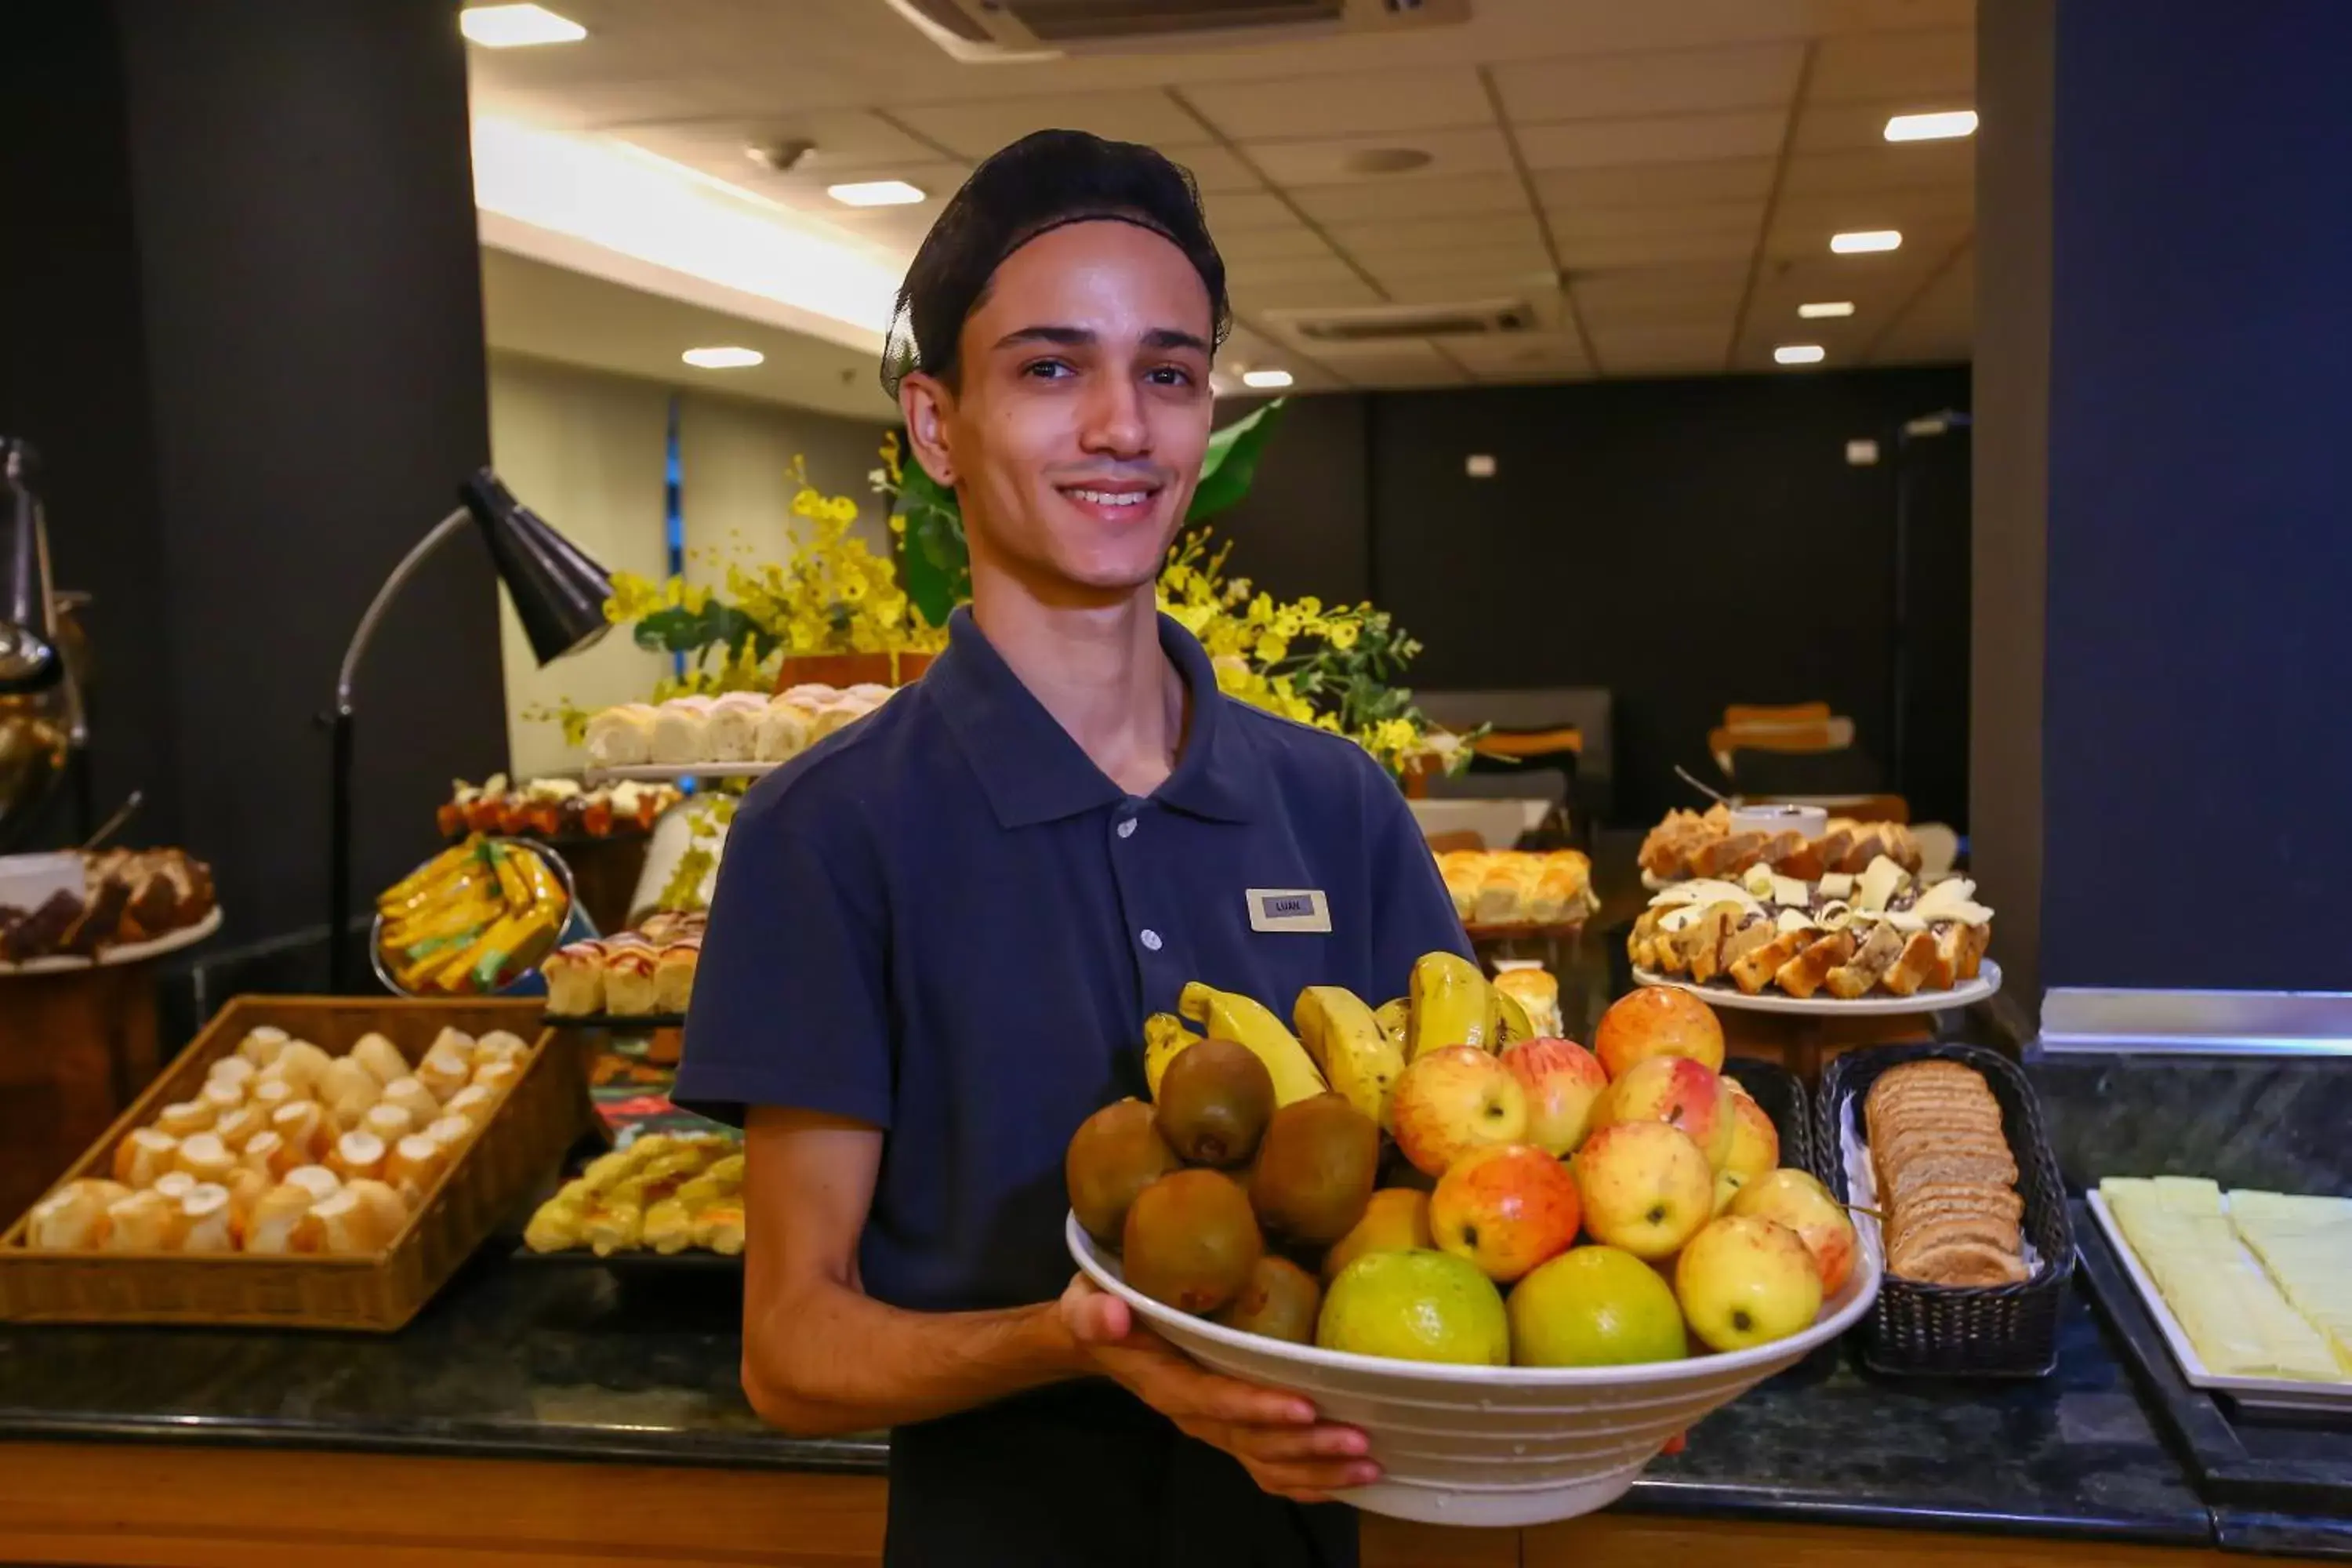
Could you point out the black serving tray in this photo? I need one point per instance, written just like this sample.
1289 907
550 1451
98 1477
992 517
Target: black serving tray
617 1023
2289 1461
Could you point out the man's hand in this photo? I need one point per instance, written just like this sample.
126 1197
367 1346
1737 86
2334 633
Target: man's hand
1274 1435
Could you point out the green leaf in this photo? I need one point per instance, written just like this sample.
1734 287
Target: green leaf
935 560
1232 461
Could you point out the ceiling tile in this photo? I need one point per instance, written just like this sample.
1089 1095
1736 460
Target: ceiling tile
1674 139
1245 209
1406 362
1373 242
1660 351
1852 127
1245 248
1664 185
1467 262
1337 291
1411 196
1656 249
1479 150
1214 168
1539 287
1371 103
1661 296
1520 350
1920 216
1666 81
844 140
1937 68
1576 222
1322 269
1883 167
977 128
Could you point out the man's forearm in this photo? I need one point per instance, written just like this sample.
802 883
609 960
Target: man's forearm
831 1359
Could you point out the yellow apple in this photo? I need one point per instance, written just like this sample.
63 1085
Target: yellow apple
1646 1187
1505 1209
1798 1201
1396 1220
1681 1093
1657 1021
1744 1282
1755 1141
1562 1081
1448 1102
1594 1306
1727 1187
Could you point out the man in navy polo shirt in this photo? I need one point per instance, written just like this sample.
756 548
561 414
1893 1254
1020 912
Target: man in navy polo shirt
937 934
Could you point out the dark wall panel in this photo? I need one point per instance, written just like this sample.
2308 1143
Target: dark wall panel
2199 560
1303 528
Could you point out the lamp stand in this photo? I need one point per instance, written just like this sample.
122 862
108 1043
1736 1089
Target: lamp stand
339 722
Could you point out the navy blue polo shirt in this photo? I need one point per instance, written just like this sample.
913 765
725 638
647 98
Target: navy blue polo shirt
945 920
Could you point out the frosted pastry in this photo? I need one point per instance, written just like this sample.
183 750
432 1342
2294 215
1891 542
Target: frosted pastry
142 1156
674 975
357 1156
682 731
622 737
630 989
207 1220
782 732
576 979
269 1093
811 694
450 1132
835 715
414 1163
144 1222
363 1216
174 1184
280 1222
205 1157
733 731
389 1122
316 1180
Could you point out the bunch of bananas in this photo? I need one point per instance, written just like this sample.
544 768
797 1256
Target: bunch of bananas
662 1194
472 920
1341 1043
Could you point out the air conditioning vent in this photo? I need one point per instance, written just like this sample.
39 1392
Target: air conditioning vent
1389 324
999 31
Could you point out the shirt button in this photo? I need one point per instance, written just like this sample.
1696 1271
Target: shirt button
1127 828
1151 939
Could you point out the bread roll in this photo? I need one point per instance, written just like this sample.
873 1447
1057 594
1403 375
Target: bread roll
674 975
222 1095
349 1113
497 1076
303 1124
268 1093
144 1222
260 1045
389 1122
629 986
246 1188
365 1217
174 1184
414 1163
622 737
455 1041
144 1156
501 1045
345 1079
576 979
682 731
356 1155
451 1133
301 1064
232 1069
268 1151
411 1095
186 1117
782 734
205 1157
445 1071
236 1128
474 1102
316 1180
381 1058
281 1222
811 694
73 1218
733 732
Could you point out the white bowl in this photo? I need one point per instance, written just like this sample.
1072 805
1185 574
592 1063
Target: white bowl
1490 1446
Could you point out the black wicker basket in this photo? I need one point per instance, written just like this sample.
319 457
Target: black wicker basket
1945 1331
1781 1094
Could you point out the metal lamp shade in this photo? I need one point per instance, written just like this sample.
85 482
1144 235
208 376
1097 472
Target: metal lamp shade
29 657
558 589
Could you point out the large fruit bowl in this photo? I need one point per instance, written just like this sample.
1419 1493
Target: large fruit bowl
1490 1446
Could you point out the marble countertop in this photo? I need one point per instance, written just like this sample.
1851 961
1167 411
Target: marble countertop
562 1362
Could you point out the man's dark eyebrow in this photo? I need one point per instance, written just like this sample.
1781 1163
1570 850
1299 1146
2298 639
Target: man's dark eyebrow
1082 337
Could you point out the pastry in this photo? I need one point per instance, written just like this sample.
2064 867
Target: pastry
205 1157
261 1044
621 737
174 1184
73 1218
357 1156
236 1128
575 980
669 1227
303 1124
630 988
414 1163
1537 991
674 975
186 1117
144 1156
350 1110
732 731
681 730
231 1069
500 1045
444 1070
268 1153
144 1222
272 1093
411 1095
381 1058
280 1222
345 1077
364 1216
301 1064
721 1228
222 1095
474 1103
389 1122
837 714
782 734
450 1132
811 694
316 1180
497 1076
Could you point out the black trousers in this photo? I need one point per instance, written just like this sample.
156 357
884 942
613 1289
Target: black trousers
1086 1475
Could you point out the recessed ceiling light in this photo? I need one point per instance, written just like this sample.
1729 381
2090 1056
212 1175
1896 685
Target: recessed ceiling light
1866 239
727 357
1819 309
1265 380
1938 127
1797 353
876 193
517 26
1385 161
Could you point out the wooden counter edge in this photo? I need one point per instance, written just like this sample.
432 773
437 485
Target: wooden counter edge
180 1506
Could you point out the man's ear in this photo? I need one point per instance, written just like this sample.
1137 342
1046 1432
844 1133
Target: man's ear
926 402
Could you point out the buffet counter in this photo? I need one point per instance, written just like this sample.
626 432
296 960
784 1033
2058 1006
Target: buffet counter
542 1413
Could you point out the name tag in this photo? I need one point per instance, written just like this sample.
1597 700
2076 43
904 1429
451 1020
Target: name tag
1288 909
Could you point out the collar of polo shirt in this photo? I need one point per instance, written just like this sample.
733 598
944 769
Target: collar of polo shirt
1032 770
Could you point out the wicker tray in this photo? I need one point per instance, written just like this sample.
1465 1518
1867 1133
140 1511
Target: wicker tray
535 1123
1943 1330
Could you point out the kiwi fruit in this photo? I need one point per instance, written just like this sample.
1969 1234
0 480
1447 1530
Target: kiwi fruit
1280 1301
1190 1241
1215 1100
1314 1170
1116 1154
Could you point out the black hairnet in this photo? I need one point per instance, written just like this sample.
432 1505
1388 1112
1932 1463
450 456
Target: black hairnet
1046 180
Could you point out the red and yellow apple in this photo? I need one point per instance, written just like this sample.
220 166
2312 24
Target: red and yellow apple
1755 1141
1744 1282
1682 1093
1505 1209
1800 1203
1645 1186
1657 1021
1727 1187
1562 1081
1450 1102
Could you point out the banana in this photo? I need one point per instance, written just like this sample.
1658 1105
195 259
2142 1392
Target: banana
1229 1015
1449 1006
1348 1043
1164 1035
1395 1019
1510 1020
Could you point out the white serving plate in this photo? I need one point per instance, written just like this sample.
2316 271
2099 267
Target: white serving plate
2270 1392
1986 981
1489 1445
127 953
670 773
